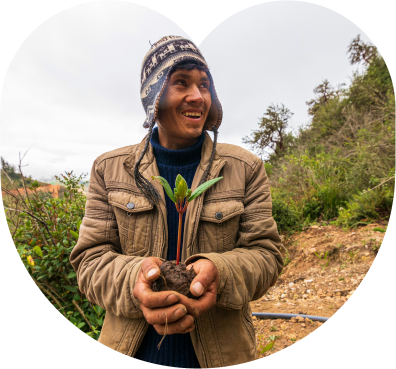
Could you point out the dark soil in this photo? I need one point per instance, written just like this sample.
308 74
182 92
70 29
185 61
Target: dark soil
174 278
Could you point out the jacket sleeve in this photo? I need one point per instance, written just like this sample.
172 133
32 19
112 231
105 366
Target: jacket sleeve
253 266
104 275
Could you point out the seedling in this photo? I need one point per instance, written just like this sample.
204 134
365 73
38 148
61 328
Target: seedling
324 257
267 347
182 196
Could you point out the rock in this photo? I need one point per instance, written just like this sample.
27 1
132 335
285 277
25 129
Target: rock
308 280
300 319
293 320
292 336
283 296
305 296
291 284
254 318
303 325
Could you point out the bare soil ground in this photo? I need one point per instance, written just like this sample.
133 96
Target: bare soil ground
326 266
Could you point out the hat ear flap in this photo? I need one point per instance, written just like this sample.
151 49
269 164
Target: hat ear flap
211 120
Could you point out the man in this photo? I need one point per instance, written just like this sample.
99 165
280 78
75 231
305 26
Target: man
130 227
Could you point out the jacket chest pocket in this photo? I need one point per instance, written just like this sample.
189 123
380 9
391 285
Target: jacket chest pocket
219 225
134 216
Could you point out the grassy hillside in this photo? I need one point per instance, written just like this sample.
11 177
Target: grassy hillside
341 168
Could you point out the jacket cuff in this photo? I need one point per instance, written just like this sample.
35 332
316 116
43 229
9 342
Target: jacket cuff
132 283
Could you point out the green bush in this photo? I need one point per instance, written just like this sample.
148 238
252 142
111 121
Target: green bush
287 219
375 204
44 231
326 202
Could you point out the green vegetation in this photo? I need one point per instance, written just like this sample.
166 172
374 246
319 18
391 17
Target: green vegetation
341 168
45 230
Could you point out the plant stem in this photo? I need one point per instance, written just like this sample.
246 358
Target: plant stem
179 237
181 210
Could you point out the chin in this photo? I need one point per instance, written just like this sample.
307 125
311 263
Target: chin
194 132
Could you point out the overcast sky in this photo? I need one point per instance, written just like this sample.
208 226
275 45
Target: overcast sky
72 89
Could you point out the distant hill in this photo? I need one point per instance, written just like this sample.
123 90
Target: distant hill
9 172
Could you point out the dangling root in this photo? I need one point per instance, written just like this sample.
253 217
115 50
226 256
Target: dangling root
166 331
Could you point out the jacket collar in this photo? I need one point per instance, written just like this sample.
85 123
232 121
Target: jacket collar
149 158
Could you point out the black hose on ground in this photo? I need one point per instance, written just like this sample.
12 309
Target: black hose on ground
289 316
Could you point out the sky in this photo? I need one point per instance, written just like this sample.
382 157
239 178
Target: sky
71 92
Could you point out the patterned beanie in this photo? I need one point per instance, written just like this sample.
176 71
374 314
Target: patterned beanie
162 57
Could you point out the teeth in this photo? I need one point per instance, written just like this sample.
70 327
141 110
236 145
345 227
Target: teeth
192 114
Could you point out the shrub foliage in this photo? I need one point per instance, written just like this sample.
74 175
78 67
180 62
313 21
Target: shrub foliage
45 230
323 173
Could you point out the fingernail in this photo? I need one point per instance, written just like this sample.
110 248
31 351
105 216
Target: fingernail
179 313
198 289
172 299
152 272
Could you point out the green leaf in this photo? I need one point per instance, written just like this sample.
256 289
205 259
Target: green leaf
166 186
267 348
74 234
78 225
71 275
203 187
38 251
80 325
182 188
178 179
71 288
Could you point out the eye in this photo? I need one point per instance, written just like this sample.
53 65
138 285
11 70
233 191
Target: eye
204 85
180 82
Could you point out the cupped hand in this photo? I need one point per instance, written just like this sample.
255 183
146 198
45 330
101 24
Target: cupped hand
161 309
204 286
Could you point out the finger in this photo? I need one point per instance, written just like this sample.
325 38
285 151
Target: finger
185 325
151 299
206 273
164 315
205 302
150 268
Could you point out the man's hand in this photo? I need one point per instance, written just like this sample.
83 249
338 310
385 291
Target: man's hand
161 308
204 285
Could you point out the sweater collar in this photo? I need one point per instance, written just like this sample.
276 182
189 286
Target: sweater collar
181 157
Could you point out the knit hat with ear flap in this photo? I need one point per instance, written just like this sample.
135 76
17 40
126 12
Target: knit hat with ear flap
166 53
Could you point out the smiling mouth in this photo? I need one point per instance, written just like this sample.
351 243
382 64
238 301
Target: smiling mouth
193 115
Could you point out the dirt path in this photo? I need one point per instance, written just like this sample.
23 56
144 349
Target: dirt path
326 266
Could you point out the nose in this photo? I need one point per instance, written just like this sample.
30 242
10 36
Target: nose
194 95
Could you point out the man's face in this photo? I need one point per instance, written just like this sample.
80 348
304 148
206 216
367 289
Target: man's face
183 108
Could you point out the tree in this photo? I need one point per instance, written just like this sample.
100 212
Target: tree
360 51
272 131
324 92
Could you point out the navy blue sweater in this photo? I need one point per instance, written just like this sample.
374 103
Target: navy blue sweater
176 350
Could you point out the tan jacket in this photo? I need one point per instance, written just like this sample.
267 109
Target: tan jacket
243 244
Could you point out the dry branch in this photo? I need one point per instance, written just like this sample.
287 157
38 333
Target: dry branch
83 315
